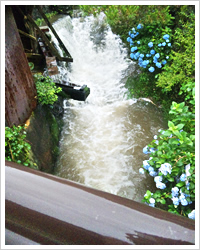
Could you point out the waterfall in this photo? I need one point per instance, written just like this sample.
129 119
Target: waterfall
103 137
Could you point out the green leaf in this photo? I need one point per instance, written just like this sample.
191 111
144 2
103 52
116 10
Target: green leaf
180 184
163 201
180 126
148 195
177 133
167 133
170 124
171 179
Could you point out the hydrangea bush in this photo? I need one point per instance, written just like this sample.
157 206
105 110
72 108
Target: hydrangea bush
172 163
150 51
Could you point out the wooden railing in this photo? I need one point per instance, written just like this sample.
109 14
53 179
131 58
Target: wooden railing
44 209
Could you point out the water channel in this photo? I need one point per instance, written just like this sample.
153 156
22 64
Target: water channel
103 137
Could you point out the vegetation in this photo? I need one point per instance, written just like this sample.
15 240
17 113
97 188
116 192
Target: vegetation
39 21
16 147
172 162
161 41
46 90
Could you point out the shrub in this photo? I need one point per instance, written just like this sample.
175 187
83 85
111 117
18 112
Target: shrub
40 21
151 52
16 147
46 90
172 163
181 68
122 17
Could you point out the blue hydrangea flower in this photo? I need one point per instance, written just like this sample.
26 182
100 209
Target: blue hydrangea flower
169 44
128 39
175 191
138 42
146 150
159 65
137 54
165 168
155 137
148 55
182 199
140 64
153 173
150 44
152 52
133 29
167 40
146 165
141 171
191 215
150 169
152 150
132 55
157 55
145 63
184 202
164 43
164 62
151 69
166 36
139 26
152 202
155 60
175 201
141 55
160 185
133 49
183 177
167 57
160 44
158 178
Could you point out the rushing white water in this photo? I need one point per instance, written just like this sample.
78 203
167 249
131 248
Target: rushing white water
103 137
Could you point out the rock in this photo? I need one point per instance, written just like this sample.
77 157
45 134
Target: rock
43 133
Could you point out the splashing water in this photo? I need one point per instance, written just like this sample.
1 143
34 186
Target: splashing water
103 137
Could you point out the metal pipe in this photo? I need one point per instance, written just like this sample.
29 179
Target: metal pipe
44 209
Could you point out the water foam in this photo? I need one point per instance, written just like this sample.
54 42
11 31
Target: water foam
102 139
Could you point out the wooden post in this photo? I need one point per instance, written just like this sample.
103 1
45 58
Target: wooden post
53 30
27 35
44 38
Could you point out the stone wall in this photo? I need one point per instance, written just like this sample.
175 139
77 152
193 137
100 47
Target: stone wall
43 133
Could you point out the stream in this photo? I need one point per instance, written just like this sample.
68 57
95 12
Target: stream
103 137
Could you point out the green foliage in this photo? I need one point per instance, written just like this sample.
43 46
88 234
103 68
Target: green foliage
31 65
181 70
122 18
16 147
175 79
46 90
176 147
39 21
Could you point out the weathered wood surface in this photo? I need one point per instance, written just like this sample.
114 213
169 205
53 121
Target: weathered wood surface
53 31
20 89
